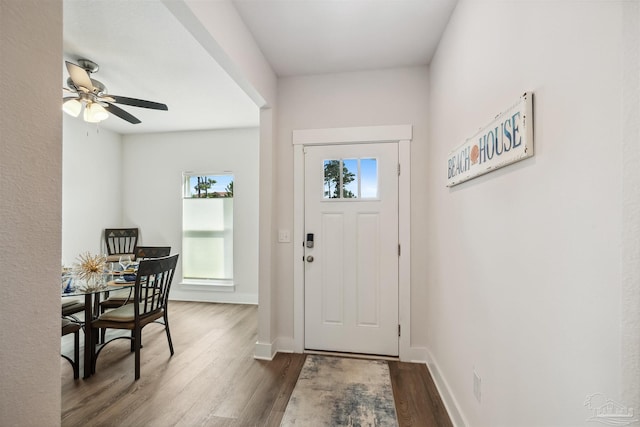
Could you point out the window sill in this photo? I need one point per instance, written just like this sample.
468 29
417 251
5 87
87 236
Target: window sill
208 285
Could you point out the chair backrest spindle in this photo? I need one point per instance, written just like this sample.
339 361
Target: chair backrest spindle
121 240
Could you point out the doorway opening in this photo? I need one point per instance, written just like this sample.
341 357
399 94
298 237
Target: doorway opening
401 136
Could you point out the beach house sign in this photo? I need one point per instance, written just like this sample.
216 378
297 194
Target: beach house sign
507 139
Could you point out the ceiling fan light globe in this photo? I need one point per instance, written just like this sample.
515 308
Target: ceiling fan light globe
99 112
88 117
95 113
72 107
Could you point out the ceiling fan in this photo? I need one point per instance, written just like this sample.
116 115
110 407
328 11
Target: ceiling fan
92 94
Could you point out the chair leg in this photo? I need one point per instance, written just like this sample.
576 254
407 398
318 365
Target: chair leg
94 344
76 354
136 342
166 328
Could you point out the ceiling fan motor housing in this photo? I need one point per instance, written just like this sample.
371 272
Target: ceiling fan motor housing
88 65
98 87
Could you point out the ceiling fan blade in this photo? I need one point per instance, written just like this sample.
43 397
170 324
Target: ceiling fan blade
117 111
139 103
79 76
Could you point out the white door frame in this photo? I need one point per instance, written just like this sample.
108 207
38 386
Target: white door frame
401 134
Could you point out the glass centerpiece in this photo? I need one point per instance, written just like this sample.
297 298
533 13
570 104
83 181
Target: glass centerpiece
89 271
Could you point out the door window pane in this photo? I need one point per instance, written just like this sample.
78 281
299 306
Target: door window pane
350 178
369 178
331 179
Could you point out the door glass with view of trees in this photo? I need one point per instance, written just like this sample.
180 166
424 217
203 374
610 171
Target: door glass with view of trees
350 178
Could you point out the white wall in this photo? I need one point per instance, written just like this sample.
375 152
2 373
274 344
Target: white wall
524 264
220 30
30 199
152 198
91 179
384 97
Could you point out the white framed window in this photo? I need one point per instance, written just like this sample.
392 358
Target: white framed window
207 229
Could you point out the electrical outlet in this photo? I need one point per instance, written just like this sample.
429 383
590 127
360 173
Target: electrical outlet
284 236
477 386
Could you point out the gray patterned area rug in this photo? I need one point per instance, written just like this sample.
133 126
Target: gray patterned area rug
336 391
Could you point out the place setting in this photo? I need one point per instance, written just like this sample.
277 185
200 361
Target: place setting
126 275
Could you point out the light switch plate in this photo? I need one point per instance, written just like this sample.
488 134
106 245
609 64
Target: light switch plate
284 236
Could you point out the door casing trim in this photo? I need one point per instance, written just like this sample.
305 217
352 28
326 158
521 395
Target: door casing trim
400 134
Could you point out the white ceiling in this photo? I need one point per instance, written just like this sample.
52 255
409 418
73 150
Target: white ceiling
325 36
144 52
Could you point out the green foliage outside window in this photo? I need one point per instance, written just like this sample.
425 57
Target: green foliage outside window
332 180
204 187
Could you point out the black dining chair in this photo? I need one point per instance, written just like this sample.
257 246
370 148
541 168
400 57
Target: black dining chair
71 307
150 298
146 252
120 297
69 327
120 241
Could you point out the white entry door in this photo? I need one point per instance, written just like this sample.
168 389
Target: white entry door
351 253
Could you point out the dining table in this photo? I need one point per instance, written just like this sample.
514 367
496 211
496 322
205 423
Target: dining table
92 297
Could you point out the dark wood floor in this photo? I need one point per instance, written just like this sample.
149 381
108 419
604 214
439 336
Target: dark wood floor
213 379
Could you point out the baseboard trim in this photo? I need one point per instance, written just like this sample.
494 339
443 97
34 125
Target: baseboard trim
450 402
211 296
263 351
415 355
284 345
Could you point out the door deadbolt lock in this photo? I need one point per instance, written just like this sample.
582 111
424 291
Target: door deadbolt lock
309 258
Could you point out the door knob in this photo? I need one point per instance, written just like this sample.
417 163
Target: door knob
309 258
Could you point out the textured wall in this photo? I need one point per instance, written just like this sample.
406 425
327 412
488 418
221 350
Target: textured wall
533 266
30 199
630 299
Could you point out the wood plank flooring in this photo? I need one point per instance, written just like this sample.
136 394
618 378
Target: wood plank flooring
213 379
